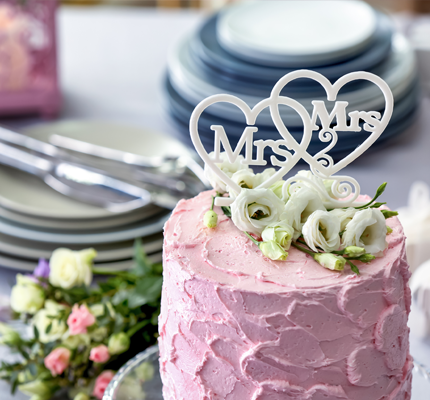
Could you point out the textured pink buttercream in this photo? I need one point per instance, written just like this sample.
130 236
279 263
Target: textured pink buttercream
235 325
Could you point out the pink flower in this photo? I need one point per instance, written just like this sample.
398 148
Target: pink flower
58 360
79 319
99 354
102 382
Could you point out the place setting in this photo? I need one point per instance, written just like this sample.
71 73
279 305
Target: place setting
36 217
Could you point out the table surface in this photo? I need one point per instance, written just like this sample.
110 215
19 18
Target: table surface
101 78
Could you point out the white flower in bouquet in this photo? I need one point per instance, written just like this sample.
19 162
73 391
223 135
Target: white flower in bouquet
71 268
367 229
344 215
8 335
277 188
322 230
246 178
225 166
299 207
45 317
281 233
254 209
27 296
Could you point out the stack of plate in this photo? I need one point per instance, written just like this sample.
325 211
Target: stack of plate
35 219
247 47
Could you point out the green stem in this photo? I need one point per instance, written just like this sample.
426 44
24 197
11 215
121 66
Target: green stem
311 253
378 193
136 328
253 240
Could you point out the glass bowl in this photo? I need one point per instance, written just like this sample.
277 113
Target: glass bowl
139 379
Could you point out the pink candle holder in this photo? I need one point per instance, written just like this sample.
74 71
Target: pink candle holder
28 58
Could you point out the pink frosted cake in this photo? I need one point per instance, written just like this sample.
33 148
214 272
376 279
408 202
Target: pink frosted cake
235 325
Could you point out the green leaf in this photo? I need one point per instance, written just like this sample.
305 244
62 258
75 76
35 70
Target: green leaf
36 332
48 328
14 381
120 297
33 369
147 289
388 214
142 265
226 210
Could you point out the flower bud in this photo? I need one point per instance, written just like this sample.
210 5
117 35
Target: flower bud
367 258
8 336
81 396
330 261
389 230
281 233
354 251
210 219
118 343
273 250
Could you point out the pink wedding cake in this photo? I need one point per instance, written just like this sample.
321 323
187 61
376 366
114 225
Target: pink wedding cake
286 289
236 325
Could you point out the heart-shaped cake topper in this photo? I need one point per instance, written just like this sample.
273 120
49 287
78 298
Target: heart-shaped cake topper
321 164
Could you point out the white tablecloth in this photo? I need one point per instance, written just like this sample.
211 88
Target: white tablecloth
112 62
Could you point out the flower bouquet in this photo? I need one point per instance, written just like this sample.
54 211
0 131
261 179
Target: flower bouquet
79 333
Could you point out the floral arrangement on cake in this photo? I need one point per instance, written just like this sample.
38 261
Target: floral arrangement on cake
80 332
286 215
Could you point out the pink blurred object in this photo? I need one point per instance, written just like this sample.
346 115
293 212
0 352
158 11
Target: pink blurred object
28 59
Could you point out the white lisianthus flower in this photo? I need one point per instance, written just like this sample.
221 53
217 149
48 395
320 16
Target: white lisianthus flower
299 207
27 296
322 230
227 167
246 178
344 215
277 188
254 209
71 268
323 184
367 229
281 233
45 317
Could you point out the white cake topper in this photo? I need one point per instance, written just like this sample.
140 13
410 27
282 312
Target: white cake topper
321 164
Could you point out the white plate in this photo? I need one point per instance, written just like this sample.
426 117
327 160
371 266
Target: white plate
296 33
24 265
16 247
128 232
74 224
25 194
399 71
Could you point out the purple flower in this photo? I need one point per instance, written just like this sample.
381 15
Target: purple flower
42 270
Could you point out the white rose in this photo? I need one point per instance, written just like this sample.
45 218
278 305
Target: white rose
299 207
71 268
367 229
344 215
254 209
322 230
246 178
227 167
42 320
27 296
